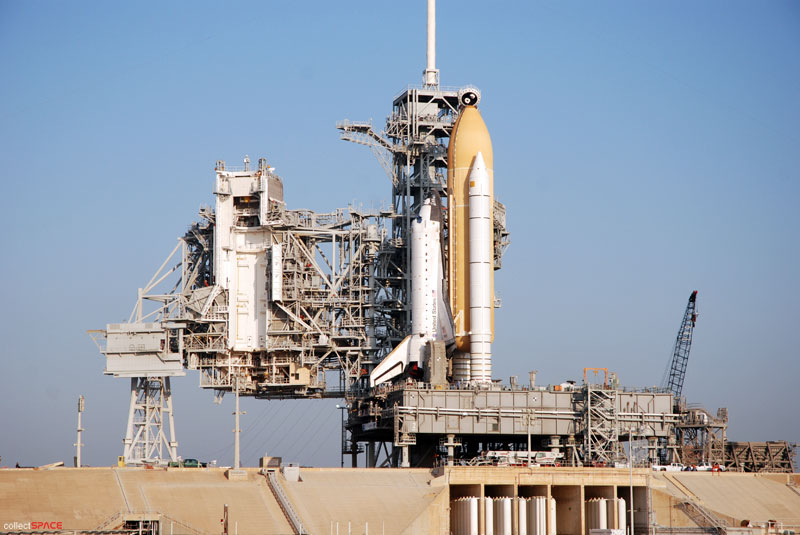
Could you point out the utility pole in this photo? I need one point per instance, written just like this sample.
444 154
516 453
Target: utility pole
631 457
630 467
80 430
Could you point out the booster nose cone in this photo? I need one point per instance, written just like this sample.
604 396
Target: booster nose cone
479 175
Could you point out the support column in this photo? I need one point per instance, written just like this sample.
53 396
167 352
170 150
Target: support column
172 447
652 449
236 430
450 449
371 457
127 442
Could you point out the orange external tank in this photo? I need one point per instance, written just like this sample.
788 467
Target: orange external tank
469 137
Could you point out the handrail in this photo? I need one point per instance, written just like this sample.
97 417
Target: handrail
121 514
286 505
708 516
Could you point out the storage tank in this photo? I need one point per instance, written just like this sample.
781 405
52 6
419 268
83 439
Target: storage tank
596 513
488 516
536 521
622 517
464 516
501 514
522 515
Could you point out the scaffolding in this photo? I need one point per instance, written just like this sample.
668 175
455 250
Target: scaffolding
701 437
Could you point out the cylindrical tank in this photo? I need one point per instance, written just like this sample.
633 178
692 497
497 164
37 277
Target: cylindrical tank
622 515
464 516
469 137
537 515
522 515
488 516
597 513
502 516
473 516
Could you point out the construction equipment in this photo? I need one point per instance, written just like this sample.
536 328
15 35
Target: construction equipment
673 379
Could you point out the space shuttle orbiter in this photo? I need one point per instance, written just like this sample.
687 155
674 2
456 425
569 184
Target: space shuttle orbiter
430 318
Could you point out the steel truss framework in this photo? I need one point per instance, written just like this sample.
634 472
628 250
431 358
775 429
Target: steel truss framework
760 456
325 320
601 426
701 437
146 439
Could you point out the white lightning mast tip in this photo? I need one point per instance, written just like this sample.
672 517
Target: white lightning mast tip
431 73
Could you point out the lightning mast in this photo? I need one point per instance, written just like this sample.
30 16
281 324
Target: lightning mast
680 353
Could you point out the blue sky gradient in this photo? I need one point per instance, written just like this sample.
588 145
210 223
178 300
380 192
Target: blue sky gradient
643 150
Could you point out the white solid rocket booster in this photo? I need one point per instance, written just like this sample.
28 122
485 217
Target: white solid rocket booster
480 272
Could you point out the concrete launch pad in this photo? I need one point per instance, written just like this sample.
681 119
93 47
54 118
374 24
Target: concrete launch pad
396 501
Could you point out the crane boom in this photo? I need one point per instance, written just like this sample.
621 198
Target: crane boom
680 353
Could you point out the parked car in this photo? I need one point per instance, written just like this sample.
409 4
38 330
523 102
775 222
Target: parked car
672 467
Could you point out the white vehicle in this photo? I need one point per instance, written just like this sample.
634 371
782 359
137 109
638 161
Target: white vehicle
673 467
520 458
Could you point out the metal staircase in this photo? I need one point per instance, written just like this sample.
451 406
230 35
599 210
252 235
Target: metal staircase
704 518
285 504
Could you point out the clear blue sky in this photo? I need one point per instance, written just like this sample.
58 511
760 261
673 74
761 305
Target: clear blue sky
643 150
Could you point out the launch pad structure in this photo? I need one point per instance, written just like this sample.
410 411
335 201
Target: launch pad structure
271 302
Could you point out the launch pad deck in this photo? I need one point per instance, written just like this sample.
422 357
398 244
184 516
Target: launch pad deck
583 424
